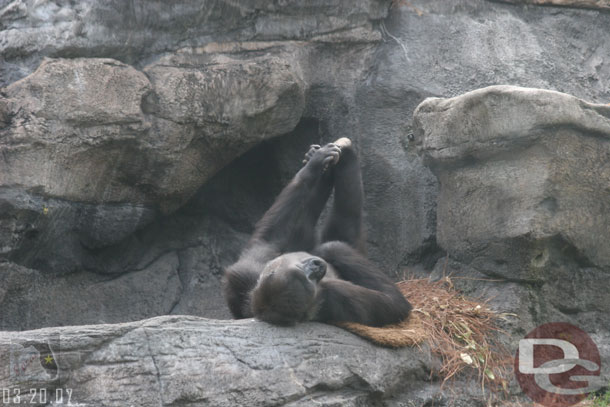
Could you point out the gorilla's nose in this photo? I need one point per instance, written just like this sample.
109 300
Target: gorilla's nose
315 268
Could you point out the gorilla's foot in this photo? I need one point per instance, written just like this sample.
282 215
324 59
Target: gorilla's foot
312 149
343 142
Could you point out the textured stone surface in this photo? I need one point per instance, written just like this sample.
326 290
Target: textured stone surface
158 176
95 149
136 31
92 150
29 297
78 132
595 4
523 202
516 162
441 48
194 361
60 114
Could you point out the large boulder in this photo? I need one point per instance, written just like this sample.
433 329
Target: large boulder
77 130
92 150
97 148
444 49
188 360
523 205
515 162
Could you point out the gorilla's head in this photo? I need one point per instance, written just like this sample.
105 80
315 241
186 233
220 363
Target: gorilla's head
287 288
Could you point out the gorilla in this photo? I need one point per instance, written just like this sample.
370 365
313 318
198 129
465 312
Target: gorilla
287 274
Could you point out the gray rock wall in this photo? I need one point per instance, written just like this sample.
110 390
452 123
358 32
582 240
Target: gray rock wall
115 115
141 141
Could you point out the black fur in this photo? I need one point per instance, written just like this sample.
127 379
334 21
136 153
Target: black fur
278 277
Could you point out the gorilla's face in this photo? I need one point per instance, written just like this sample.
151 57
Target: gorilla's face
287 287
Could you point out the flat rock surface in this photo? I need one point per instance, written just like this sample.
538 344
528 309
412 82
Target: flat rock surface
181 360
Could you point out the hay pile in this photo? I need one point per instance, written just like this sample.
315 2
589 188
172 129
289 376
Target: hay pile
462 332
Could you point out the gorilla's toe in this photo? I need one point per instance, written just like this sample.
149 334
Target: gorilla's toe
312 150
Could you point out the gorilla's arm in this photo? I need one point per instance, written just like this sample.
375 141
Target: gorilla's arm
290 222
345 220
365 295
287 226
242 276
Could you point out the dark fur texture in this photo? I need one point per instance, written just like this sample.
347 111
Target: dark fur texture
280 275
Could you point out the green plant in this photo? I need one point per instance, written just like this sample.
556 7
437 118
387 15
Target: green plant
600 399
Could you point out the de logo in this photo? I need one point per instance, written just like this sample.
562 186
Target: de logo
558 365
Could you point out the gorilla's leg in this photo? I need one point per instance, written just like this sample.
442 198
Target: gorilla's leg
289 224
345 220
362 294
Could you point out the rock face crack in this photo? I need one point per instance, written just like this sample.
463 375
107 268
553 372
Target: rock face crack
238 358
157 371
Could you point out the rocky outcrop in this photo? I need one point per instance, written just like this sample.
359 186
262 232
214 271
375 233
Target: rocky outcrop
193 361
79 131
141 141
95 149
523 200
514 162
444 49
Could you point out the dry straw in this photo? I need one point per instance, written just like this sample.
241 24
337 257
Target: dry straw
462 332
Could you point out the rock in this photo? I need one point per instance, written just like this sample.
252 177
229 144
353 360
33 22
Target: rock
101 139
133 32
32 298
58 235
190 88
522 209
444 49
195 361
516 162
225 104
64 114
70 148
78 140
78 120
594 4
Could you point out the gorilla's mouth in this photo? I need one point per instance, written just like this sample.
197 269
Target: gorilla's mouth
314 268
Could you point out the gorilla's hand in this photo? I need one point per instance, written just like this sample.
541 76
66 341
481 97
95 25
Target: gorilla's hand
322 157
312 149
